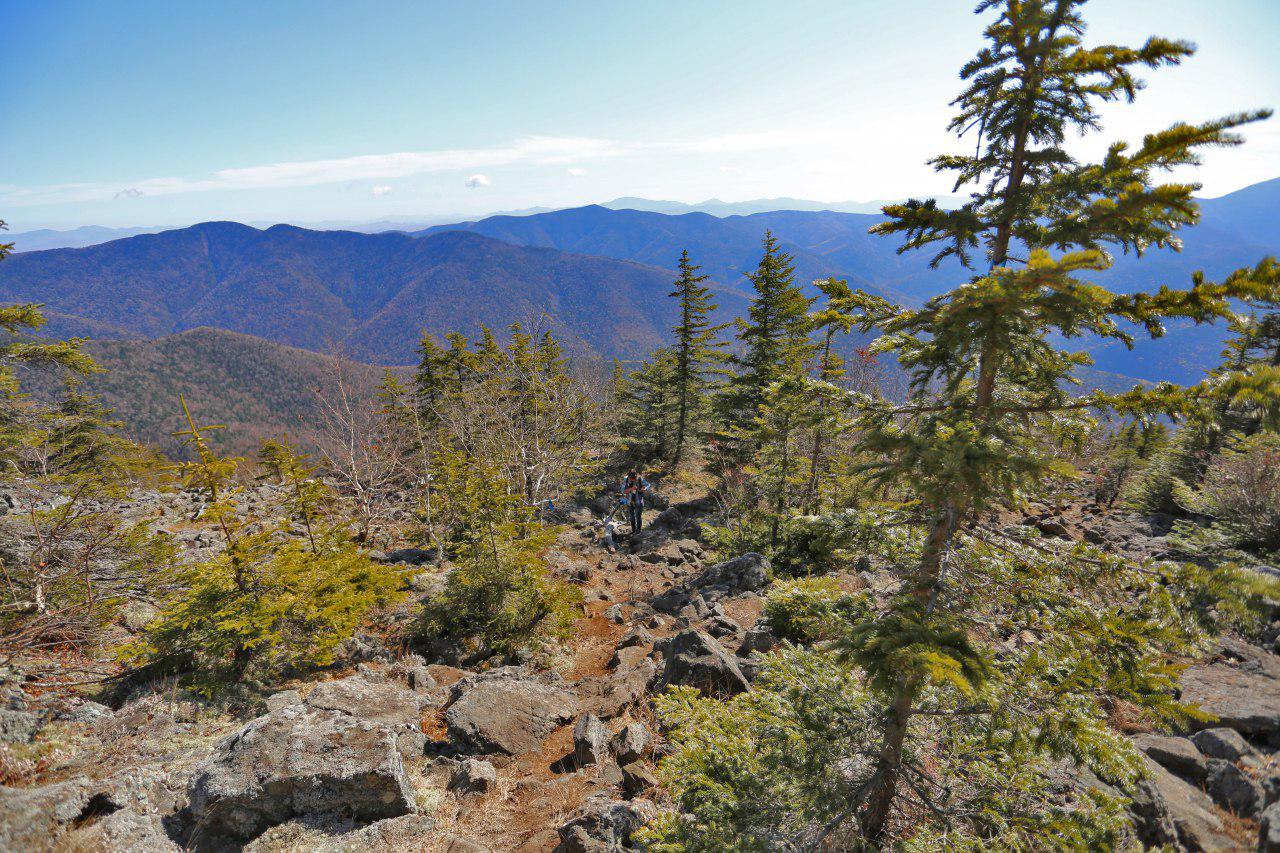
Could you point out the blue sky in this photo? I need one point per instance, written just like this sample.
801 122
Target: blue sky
149 113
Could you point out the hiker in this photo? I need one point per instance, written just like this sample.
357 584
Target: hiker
633 489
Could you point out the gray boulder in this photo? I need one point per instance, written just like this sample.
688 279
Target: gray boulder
86 713
1269 829
759 638
751 571
358 696
505 710
609 695
283 699
590 741
1233 789
693 658
20 726
638 777
31 818
474 776
1176 754
632 743
602 825
411 556
298 761
1164 799
126 829
1221 743
378 701
1248 702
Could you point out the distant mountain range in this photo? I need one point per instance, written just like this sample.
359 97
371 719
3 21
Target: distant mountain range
1236 230
600 275
367 294
716 207
74 238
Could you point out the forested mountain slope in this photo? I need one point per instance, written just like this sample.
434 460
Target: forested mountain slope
370 294
256 388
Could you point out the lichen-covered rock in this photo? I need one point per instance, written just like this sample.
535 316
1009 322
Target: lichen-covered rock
1176 754
1248 702
602 825
590 741
695 659
506 710
474 776
30 818
20 726
1227 744
126 829
751 571
376 700
632 743
298 761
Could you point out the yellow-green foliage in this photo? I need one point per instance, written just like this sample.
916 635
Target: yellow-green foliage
776 768
265 605
806 610
502 600
269 600
499 597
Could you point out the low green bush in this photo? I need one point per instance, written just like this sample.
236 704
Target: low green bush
807 610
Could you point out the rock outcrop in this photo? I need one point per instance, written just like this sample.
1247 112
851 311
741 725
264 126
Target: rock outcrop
339 752
506 710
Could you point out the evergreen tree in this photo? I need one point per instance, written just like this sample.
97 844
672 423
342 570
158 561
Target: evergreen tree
697 350
429 380
985 344
774 339
268 600
831 321
647 407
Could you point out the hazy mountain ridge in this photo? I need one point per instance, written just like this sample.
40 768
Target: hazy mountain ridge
1236 230
602 275
368 293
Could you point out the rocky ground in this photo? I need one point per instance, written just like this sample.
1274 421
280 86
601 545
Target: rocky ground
390 751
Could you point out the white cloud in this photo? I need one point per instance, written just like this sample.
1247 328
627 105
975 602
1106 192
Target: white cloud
381 190
477 181
577 171
529 152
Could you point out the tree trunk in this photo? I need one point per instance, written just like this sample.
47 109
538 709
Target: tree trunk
898 717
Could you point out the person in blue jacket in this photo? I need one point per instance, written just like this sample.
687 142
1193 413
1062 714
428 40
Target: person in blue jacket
633 489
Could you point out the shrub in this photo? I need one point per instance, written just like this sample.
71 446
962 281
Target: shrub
270 600
501 600
1178 462
807 610
777 767
1241 493
264 606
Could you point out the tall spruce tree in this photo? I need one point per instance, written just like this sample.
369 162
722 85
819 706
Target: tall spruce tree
698 350
985 345
774 339
429 380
